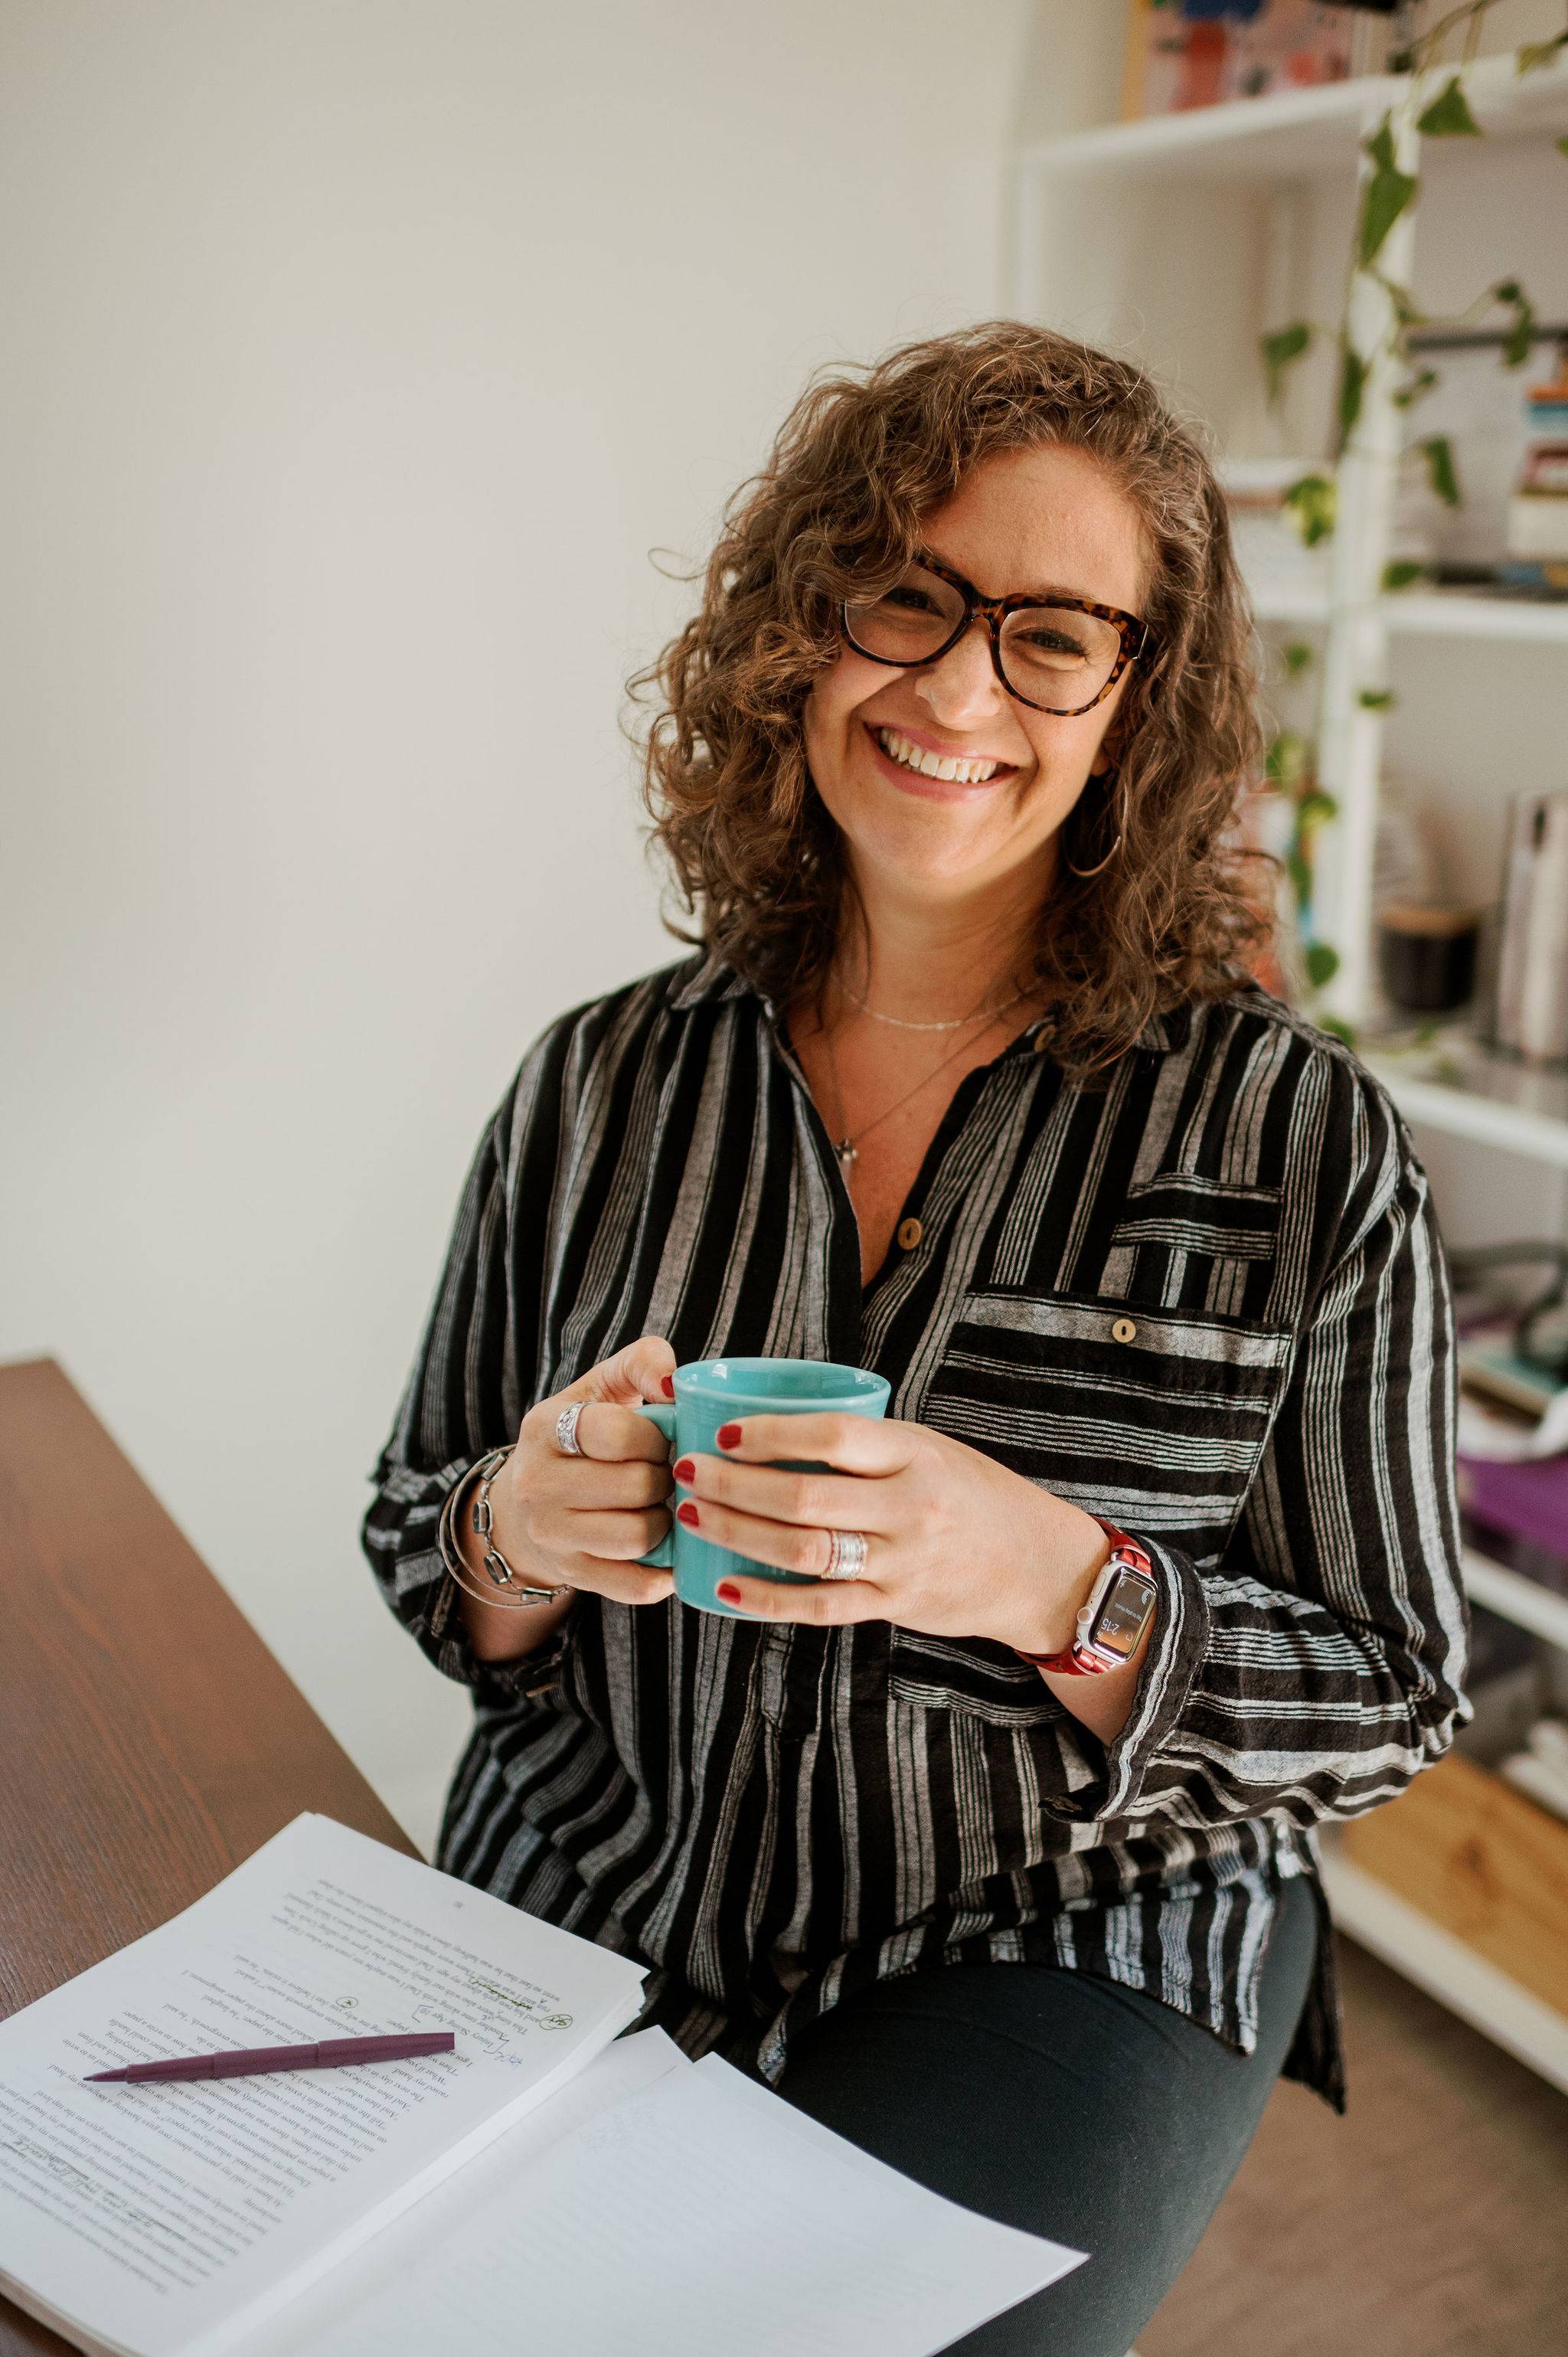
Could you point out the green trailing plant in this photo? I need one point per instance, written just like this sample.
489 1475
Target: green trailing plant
1312 502
1388 193
1291 769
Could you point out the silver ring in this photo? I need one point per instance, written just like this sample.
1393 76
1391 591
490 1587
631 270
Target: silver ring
846 1555
566 1439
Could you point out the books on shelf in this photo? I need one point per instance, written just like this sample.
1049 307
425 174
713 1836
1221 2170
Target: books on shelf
1179 55
1521 1507
1494 1368
601 2193
1513 1456
1538 509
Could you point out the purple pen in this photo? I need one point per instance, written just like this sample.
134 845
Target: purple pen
329 2054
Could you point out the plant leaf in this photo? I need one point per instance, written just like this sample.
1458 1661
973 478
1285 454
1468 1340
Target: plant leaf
1286 344
1286 758
1315 810
1413 387
1353 374
1299 869
1338 1027
1312 502
1521 335
1438 454
1322 963
1296 658
1563 145
1376 699
1401 573
1449 115
1535 54
1387 194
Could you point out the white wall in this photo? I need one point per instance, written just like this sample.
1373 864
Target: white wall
358 353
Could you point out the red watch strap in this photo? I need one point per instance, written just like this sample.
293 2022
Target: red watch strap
1078 1661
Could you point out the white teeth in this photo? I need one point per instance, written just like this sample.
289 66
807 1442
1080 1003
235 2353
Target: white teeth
931 765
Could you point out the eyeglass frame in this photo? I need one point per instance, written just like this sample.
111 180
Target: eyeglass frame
995 611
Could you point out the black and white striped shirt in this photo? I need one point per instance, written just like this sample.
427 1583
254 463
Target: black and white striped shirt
1206 1300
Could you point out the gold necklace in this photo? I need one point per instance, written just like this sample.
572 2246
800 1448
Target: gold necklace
900 1023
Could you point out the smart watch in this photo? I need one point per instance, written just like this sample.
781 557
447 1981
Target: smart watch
1112 1623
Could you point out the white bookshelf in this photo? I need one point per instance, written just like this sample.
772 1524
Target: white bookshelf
1436 614
1178 240
1300 132
1524 1601
1448 614
1467 1090
1466 1983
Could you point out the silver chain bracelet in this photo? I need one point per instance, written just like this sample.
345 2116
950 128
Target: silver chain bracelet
509 1589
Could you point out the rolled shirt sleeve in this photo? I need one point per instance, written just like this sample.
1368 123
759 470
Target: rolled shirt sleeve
1319 1667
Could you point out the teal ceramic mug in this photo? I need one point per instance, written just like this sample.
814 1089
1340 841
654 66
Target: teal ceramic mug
710 1391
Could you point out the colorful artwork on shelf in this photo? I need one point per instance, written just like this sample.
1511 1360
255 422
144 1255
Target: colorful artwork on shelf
1187 53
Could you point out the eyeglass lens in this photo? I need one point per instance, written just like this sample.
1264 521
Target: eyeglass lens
1050 655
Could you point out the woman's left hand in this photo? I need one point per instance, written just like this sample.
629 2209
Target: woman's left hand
956 1545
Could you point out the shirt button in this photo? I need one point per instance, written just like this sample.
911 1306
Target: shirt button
910 1234
1125 1330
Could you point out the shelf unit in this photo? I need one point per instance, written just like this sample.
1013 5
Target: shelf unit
1298 132
1445 1969
1438 614
1467 1090
1203 178
1539 1609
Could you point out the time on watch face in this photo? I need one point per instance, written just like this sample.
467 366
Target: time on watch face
1120 1621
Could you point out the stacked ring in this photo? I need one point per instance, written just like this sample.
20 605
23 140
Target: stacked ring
846 1555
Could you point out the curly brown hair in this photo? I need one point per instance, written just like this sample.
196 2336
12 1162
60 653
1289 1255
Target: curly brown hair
863 457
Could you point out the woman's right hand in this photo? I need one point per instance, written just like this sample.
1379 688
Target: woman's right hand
581 1522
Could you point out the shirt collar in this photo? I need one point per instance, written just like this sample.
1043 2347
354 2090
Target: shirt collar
1167 1031
710 976
707 977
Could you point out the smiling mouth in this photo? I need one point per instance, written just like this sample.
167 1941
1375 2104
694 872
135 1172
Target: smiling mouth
908 755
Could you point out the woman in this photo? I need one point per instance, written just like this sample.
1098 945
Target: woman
967 1085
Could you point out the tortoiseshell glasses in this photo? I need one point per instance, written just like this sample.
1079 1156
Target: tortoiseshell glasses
1062 657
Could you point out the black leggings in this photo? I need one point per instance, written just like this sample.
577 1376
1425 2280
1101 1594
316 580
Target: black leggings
1064 2105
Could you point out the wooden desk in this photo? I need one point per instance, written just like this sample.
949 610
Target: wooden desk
148 1740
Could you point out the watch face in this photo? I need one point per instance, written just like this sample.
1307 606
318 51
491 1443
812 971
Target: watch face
1120 1619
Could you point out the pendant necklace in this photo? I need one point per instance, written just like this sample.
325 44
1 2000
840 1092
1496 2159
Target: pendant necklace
847 1150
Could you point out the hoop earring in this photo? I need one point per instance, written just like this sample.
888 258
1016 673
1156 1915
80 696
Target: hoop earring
1086 872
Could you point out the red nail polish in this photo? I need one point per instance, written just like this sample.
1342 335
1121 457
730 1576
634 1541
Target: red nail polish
686 1512
668 1385
685 1470
728 1436
727 1592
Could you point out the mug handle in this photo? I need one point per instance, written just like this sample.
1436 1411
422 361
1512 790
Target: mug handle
662 1557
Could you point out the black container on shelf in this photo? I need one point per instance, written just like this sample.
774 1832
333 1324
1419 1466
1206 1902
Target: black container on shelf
1426 955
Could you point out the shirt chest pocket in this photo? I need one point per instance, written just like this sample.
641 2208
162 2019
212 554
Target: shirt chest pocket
1189 1242
1155 1419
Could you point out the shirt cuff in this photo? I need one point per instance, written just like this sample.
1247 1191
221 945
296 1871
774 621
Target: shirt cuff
1177 1643
531 1675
